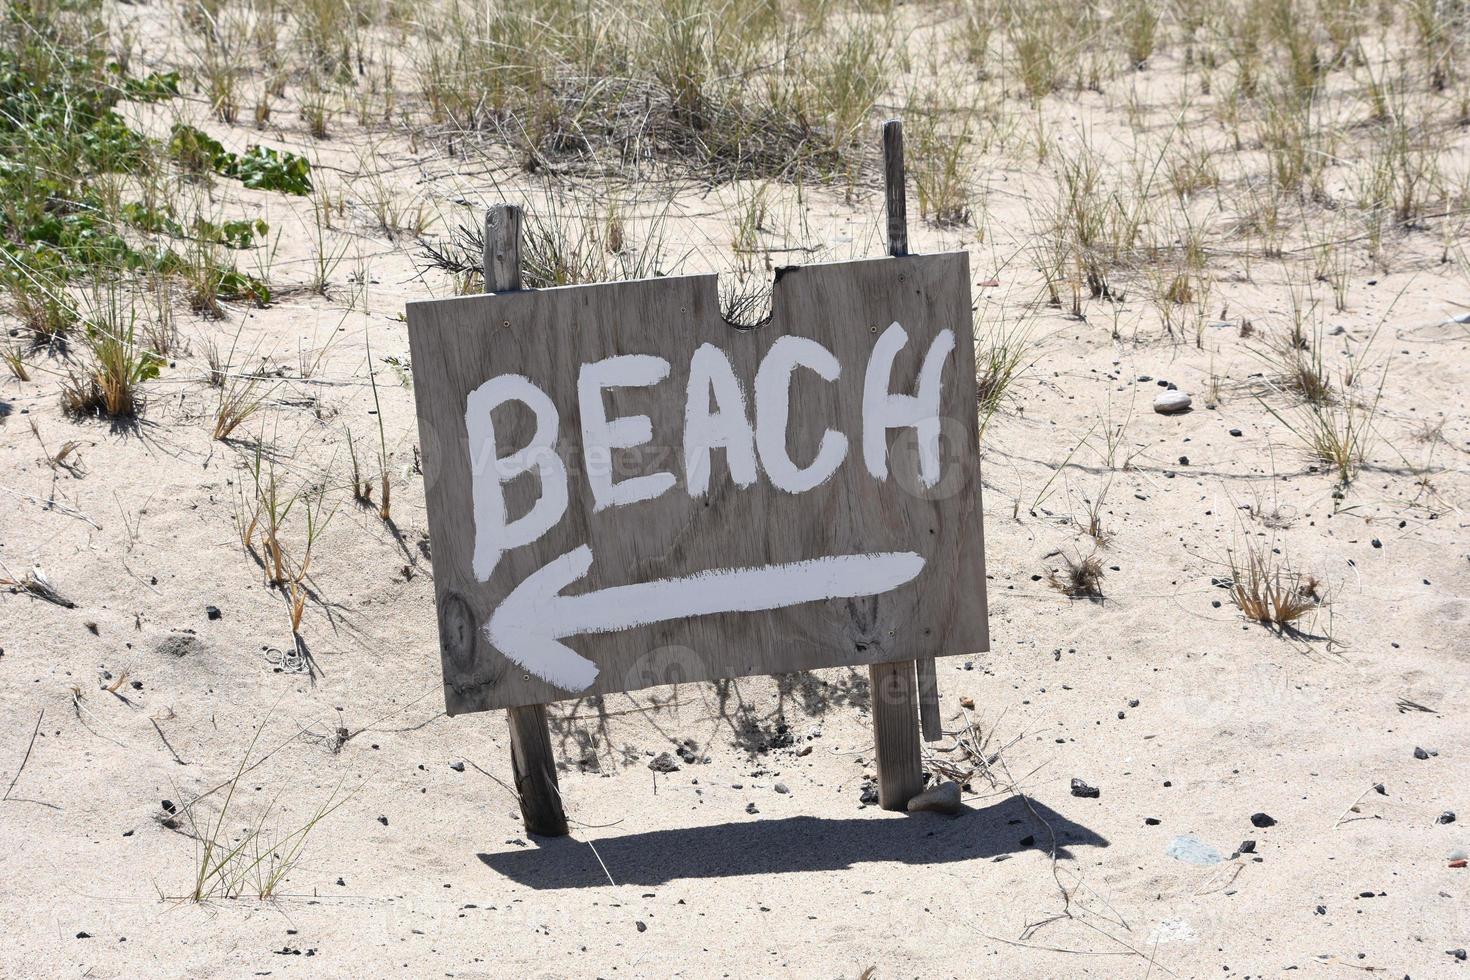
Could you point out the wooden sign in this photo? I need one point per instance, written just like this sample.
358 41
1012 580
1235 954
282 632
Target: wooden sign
625 490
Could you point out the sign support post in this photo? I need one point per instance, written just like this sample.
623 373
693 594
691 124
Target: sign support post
896 687
531 757
898 244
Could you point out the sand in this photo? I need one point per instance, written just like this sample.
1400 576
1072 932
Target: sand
1186 716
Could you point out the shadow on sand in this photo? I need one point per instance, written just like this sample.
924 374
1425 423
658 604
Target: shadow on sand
759 847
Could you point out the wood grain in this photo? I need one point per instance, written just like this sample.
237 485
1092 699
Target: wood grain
531 758
895 202
534 765
895 736
546 335
895 193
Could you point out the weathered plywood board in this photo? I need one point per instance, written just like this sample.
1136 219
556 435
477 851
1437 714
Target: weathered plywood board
582 541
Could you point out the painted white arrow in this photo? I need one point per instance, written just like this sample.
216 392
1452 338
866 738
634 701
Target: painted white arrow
530 623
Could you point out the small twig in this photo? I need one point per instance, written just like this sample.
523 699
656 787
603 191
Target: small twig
1350 807
27 757
166 744
589 843
502 783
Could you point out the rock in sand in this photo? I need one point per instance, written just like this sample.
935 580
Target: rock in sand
1171 402
943 798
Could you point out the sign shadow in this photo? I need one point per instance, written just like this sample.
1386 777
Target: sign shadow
800 843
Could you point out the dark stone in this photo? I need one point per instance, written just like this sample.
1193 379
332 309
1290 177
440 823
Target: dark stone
1079 788
663 762
1247 847
457 766
1447 817
212 612
1236 433
1262 820
782 788
383 821
1152 821
642 926
1027 841
751 808
1377 543
1419 753
84 935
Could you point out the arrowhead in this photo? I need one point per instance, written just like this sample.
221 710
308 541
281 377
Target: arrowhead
523 626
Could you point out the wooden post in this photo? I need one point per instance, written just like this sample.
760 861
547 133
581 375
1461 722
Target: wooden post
895 736
893 685
898 244
893 188
531 757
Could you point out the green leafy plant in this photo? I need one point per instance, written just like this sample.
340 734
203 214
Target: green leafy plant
259 167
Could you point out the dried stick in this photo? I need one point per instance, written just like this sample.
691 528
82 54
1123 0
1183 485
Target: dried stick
27 757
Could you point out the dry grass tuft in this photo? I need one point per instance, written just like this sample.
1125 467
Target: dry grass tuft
111 383
233 860
15 361
1081 579
1265 588
1005 356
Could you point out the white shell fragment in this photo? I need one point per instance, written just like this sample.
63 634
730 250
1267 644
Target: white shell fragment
1171 402
944 798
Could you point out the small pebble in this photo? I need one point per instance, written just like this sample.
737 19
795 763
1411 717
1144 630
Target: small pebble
1171 402
1262 820
663 762
1079 788
943 798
